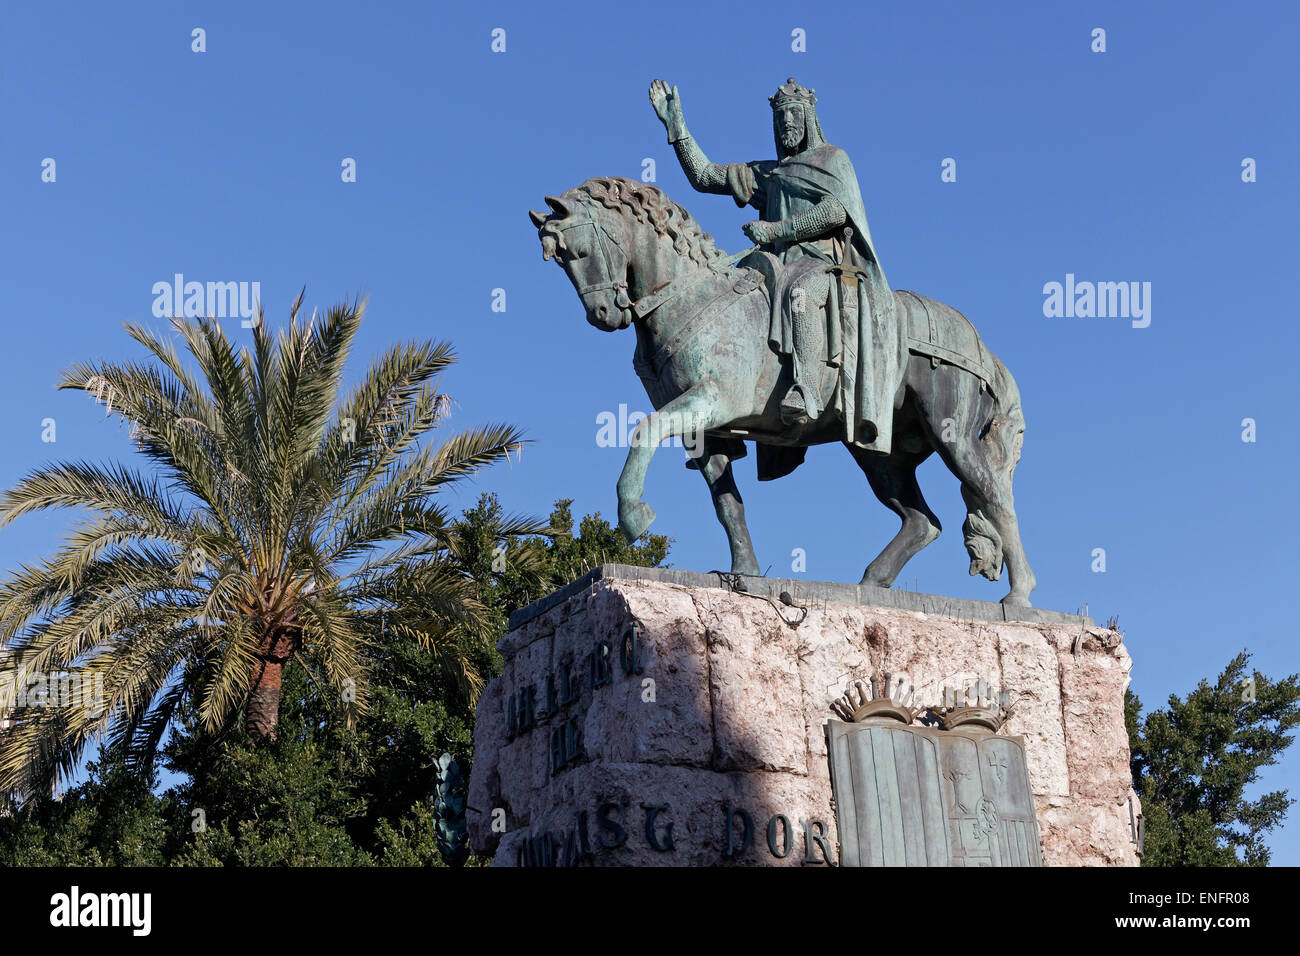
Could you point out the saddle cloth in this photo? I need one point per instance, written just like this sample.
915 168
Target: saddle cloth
943 334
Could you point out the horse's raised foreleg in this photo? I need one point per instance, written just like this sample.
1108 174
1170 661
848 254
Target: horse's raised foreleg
689 414
893 479
715 466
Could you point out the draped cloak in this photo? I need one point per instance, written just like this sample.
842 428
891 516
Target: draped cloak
866 342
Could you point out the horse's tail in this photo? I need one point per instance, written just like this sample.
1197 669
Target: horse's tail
983 544
1001 437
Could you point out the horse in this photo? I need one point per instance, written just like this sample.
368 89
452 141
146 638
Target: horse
636 258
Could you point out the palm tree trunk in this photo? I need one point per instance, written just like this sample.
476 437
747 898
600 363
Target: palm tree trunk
275 651
264 699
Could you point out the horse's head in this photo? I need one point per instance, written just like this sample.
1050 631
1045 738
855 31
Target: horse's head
619 240
587 239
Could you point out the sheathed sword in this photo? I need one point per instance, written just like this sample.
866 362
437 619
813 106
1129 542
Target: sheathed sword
848 273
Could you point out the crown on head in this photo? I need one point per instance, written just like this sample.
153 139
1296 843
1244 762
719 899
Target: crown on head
976 706
860 701
792 92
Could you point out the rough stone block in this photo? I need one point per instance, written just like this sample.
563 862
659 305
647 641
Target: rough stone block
733 724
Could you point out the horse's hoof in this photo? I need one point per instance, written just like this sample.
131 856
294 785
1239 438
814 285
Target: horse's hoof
635 520
1016 600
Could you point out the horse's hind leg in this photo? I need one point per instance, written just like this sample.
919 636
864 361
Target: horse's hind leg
993 537
715 466
984 460
991 463
893 479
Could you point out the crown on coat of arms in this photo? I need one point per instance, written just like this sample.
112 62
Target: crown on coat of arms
792 92
978 705
860 700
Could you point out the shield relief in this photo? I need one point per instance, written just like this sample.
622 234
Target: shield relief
919 796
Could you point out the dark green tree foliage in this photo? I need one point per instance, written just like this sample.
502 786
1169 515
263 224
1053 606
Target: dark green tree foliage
337 785
113 819
324 792
597 542
1193 760
513 571
320 793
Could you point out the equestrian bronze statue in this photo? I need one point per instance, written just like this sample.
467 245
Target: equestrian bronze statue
799 342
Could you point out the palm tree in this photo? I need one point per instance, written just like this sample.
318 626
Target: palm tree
278 525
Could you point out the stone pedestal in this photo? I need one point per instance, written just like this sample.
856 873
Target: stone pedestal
641 711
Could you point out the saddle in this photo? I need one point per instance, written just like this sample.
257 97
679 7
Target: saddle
932 329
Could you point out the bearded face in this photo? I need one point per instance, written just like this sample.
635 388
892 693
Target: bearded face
790 126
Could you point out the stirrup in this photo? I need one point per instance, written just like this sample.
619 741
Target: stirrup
794 408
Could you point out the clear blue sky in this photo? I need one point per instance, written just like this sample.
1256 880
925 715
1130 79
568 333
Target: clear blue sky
1115 166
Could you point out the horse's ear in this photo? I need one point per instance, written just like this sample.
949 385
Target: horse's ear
537 217
557 206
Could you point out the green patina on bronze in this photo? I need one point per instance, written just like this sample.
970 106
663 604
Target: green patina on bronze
800 342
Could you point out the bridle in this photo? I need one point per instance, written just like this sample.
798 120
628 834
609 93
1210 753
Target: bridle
605 278
749 281
605 281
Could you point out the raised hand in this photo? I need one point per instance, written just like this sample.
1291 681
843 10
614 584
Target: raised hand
666 101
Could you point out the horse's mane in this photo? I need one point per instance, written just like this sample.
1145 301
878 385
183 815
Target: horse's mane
647 203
